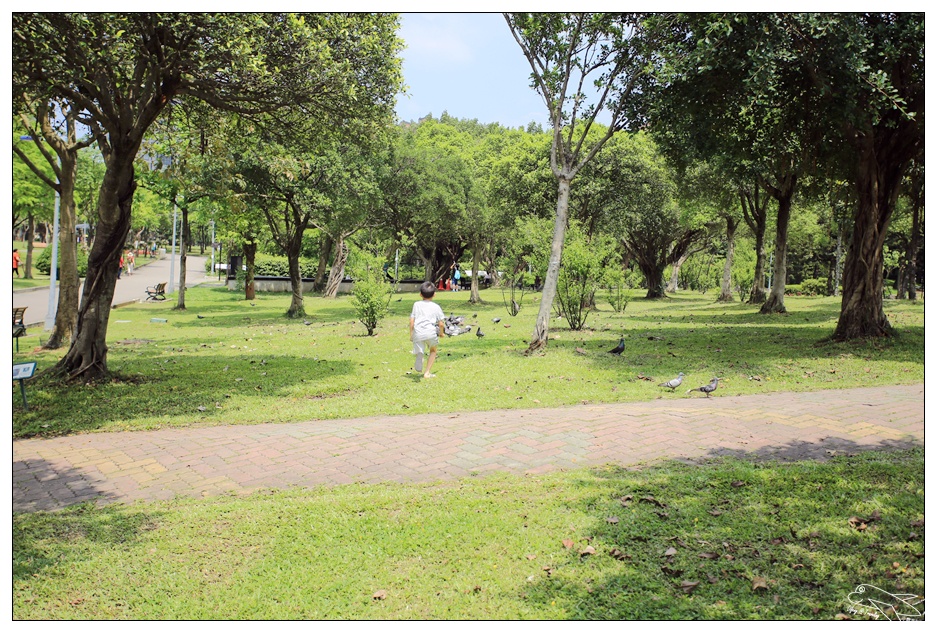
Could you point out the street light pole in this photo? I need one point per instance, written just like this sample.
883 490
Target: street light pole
53 272
175 211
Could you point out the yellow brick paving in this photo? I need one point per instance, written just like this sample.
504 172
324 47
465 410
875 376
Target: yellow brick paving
49 474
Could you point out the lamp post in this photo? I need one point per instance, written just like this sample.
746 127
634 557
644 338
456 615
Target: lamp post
175 212
212 248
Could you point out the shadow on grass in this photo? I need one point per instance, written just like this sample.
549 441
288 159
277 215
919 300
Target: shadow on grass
44 540
197 380
682 541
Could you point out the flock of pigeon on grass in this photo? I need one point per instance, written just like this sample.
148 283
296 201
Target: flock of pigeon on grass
674 383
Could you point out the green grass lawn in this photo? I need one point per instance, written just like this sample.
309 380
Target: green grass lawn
243 363
723 541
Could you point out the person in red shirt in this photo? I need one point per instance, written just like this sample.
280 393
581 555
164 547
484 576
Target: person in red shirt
16 262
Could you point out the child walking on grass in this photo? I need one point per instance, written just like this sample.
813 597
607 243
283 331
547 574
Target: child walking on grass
426 325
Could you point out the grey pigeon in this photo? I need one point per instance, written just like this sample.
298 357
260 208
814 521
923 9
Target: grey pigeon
673 383
479 334
496 320
619 348
708 389
306 322
199 316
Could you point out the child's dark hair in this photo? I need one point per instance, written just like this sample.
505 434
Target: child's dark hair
427 289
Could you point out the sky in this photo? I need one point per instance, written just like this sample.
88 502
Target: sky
469 65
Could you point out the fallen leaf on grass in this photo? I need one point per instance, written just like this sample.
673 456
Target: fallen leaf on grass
672 572
588 550
531 557
716 512
626 500
708 556
619 555
687 586
641 376
612 520
568 543
670 552
738 484
202 409
380 594
653 501
758 583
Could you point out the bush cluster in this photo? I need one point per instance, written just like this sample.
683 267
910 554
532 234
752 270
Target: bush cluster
43 262
809 287
266 265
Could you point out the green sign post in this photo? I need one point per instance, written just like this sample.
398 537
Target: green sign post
23 372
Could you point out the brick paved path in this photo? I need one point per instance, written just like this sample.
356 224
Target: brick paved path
129 466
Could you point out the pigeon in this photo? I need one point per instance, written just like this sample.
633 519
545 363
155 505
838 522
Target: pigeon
199 316
673 383
306 322
619 348
474 315
708 389
253 304
479 334
496 320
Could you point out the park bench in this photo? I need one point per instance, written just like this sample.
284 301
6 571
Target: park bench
157 292
19 328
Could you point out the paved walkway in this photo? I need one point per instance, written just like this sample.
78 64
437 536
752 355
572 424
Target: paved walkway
162 464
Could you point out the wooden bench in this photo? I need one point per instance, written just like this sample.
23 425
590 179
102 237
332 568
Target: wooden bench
19 328
157 292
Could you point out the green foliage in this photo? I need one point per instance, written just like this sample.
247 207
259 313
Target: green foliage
809 287
267 265
43 262
584 264
371 290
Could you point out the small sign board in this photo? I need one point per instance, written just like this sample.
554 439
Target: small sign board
24 371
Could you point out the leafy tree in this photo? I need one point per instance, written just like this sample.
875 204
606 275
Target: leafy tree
33 200
54 124
583 64
371 291
585 260
121 71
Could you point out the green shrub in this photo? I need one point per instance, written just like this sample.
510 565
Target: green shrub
809 287
371 291
43 263
266 265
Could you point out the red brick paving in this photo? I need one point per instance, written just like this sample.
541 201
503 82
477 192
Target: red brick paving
126 466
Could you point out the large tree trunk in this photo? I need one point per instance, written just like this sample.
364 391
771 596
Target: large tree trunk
325 249
863 284
337 269
732 225
541 331
66 313
653 277
250 257
914 244
784 196
183 251
87 356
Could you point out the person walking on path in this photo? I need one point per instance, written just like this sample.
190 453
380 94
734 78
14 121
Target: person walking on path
426 325
121 267
16 261
130 262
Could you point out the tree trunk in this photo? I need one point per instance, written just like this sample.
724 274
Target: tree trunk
541 331
296 307
475 267
337 270
673 285
30 237
653 277
183 251
726 296
913 246
66 313
250 256
87 356
863 283
784 197
754 208
324 252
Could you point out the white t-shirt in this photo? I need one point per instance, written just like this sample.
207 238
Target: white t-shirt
426 316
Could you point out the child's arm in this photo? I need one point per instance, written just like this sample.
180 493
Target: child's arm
441 325
412 323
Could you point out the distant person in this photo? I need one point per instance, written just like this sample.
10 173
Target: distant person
456 276
120 267
130 261
16 261
426 325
